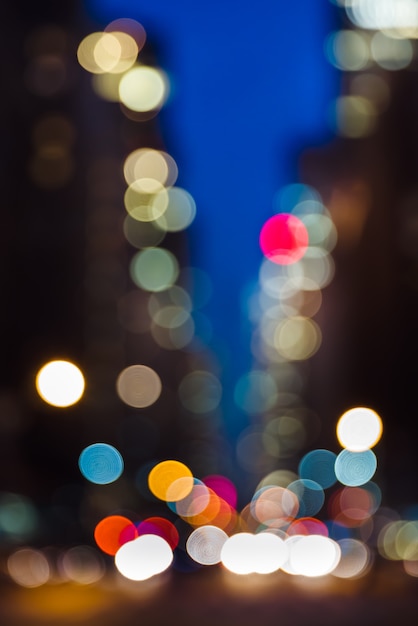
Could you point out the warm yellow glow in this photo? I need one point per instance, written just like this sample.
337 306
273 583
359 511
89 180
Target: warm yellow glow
115 52
107 86
143 88
85 53
355 116
138 386
148 163
60 383
359 429
170 481
297 338
146 199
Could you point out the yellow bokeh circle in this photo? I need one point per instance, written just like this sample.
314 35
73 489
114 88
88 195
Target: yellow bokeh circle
170 481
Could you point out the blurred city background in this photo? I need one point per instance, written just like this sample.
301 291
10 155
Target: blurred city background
151 154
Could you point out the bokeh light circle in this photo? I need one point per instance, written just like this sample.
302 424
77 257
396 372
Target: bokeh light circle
359 429
143 88
60 383
101 463
284 239
154 269
138 386
204 544
314 555
319 465
170 481
112 532
144 557
355 468
28 567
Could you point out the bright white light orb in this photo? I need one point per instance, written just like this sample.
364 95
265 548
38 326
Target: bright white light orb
143 88
60 383
314 555
359 429
144 557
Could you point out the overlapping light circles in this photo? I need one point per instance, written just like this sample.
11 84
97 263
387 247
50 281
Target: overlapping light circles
284 239
355 468
359 429
204 544
170 481
356 559
319 466
101 463
144 557
314 555
272 505
113 531
159 526
60 383
138 386
246 553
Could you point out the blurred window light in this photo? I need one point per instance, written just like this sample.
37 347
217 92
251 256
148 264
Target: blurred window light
348 50
138 386
143 88
297 338
255 392
391 54
60 383
142 234
359 429
82 565
154 269
371 87
354 116
28 567
106 86
200 392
